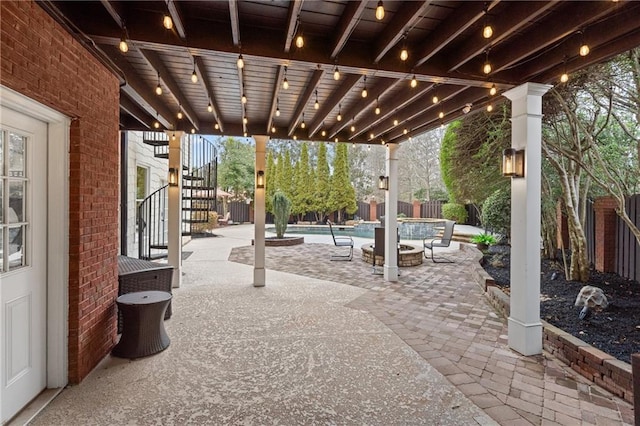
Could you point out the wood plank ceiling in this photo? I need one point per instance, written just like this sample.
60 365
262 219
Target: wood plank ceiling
532 41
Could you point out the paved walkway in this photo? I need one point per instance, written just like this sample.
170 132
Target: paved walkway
330 343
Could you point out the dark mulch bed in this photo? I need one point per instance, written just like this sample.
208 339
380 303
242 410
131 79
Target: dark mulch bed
614 330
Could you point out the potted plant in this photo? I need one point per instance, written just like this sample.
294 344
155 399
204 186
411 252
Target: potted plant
483 241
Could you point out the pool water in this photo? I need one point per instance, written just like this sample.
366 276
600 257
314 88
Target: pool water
408 230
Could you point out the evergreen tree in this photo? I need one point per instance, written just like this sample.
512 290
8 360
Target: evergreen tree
302 190
287 176
322 187
342 194
270 182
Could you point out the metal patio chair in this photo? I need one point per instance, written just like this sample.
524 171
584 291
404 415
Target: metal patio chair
341 241
444 241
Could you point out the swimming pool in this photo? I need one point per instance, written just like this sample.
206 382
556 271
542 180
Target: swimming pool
409 230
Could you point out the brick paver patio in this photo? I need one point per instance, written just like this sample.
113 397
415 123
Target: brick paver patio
439 311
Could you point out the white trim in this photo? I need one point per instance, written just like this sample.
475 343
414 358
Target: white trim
57 229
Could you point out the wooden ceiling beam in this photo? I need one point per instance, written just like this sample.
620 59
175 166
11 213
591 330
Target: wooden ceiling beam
201 70
399 101
382 86
348 22
557 27
139 90
234 20
292 20
310 87
275 91
417 108
154 60
403 20
516 16
115 11
135 111
461 19
176 17
346 84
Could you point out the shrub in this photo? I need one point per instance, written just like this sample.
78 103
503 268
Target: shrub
281 212
496 212
487 239
453 211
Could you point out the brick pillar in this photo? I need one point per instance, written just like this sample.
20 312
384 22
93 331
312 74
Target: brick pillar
635 368
562 231
416 209
373 208
605 238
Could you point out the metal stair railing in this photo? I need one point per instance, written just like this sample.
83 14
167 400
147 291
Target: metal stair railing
152 225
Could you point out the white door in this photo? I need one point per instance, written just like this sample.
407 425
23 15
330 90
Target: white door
23 260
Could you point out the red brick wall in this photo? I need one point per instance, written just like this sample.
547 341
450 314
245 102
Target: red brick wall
42 61
605 238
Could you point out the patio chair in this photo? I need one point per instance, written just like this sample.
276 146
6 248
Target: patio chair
444 241
226 220
341 241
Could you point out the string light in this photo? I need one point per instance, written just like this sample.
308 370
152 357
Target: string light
240 62
441 115
486 68
303 125
564 77
316 105
158 87
380 11
435 99
353 145
295 138
395 121
371 136
156 124
336 139
339 117
245 120
300 41
245 134
377 110
193 130
405 131
167 22
216 126
414 82
210 107
489 108
368 147
273 129
404 54
194 75
285 82
179 115
243 99
324 133
124 47
364 90
493 90
277 107
336 73
584 47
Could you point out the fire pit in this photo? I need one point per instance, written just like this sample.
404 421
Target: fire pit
408 256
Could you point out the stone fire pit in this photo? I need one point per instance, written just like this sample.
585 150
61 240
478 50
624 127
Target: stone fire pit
409 255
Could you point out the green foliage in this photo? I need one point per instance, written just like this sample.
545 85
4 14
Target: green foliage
454 211
321 199
236 171
285 182
496 212
483 238
342 195
439 194
270 182
447 151
281 212
303 190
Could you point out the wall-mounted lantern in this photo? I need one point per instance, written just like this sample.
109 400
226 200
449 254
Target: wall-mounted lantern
513 162
383 183
260 179
173 177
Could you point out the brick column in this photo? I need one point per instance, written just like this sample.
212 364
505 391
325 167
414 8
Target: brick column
373 208
562 231
605 238
416 209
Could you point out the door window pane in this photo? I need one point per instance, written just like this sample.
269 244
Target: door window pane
16 201
16 247
16 155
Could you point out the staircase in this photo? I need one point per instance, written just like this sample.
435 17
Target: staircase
199 181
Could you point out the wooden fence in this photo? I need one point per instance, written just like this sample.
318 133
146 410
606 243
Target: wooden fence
627 247
239 211
590 232
363 210
431 209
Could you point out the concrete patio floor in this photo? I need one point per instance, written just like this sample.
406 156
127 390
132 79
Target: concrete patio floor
331 343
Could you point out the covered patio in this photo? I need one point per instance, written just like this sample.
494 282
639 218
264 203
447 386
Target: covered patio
334 344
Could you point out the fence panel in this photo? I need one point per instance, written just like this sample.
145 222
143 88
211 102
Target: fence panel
590 232
473 217
239 211
628 249
431 209
379 210
363 210
406 208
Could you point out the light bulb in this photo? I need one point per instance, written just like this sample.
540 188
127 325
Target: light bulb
303 125
124 47
584 49
295 138
244 99
564 77
414 82
380 11
336 140
167 22
336 74
371 136
435 99
405 131
244 120
364 92
179 115
353 128
487 31
245 134
240 62
339 117
324 133
194 77
404 54
285 83
273 129
193 130
493 90
156 124
368 147
210 107
377 111
216 126
278 112
489 108
486 68
395 122
441 115
299 41
316 105
353 145
158 90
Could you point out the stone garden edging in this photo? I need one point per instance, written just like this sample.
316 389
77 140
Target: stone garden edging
597 366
